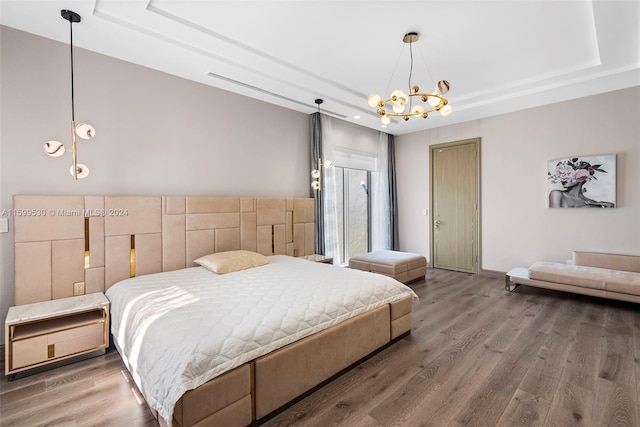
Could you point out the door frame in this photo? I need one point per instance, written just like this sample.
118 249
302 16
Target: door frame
477 234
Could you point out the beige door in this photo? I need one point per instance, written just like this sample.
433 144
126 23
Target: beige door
454 205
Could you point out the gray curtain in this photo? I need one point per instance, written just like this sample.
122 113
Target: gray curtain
316 153
393 196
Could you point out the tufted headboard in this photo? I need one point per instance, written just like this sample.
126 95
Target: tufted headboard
99 240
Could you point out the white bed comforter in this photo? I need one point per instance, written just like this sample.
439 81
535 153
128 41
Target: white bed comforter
177 330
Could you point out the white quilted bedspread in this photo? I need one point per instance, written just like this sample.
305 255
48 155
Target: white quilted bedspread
177 330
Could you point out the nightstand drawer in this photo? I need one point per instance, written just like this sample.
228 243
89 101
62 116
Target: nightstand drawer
96 329
80 344
29 352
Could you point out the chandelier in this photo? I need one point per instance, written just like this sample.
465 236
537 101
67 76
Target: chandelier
400 104
82 130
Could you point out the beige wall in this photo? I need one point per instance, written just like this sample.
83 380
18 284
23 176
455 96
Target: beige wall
517 227
156 134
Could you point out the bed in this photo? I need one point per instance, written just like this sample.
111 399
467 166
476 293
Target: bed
178 330
132 242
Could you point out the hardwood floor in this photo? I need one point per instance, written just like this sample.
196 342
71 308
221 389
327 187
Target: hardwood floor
477 356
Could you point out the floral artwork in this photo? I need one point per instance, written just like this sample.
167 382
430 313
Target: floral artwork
582 182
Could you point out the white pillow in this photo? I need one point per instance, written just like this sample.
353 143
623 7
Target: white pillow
227 262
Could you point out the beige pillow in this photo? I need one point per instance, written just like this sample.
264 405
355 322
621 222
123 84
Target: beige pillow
227 262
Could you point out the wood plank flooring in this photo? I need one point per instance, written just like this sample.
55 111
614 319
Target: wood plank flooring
476 356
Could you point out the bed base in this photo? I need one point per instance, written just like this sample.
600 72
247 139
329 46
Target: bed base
256 391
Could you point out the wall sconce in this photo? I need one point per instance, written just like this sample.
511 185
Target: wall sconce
82 130
316 174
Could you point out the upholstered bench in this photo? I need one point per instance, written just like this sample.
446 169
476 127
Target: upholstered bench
402 266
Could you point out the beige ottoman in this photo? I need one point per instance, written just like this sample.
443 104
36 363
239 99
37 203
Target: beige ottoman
402 266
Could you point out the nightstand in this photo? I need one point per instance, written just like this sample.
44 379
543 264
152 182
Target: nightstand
42 333
318 258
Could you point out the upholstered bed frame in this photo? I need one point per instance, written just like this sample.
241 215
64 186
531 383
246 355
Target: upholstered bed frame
99 240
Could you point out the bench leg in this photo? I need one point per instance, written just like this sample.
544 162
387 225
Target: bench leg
508 286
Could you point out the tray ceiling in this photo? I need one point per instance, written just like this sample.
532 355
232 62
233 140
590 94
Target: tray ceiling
499 56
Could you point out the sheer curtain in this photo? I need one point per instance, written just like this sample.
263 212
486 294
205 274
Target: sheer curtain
380 202
347 149
326 214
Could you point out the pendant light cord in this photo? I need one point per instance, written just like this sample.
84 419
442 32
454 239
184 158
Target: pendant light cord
73 113
410 73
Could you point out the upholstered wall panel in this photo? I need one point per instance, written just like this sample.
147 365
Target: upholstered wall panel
132 215
212 221
288 231
49 218
309 236
303 210
199 243
174 242
174 205
271 211
89 238
248 231
265 239
197 205
33 272
117 259
94 280
227 239
67 266
247 204
148 253
279 240
298 240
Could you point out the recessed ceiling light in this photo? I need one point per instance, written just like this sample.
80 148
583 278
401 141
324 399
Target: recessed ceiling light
356 117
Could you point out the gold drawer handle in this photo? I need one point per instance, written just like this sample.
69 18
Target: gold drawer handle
51 351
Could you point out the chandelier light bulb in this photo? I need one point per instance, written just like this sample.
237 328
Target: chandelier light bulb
315 185
374 99
446 110
315 173
433 100
327 164
398 108
417 110
385 120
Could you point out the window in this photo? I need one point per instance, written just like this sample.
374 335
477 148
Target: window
352 203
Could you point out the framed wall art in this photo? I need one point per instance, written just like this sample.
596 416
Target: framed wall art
582 182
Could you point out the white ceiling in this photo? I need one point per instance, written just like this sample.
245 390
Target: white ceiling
498 56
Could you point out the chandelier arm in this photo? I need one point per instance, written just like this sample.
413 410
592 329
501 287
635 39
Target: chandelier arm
383 111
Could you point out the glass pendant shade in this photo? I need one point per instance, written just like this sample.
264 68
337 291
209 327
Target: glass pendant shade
54 148
327 164
385 120
446 110
442 86
315 173
315 185
83 171
417 109
85 131
374 99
